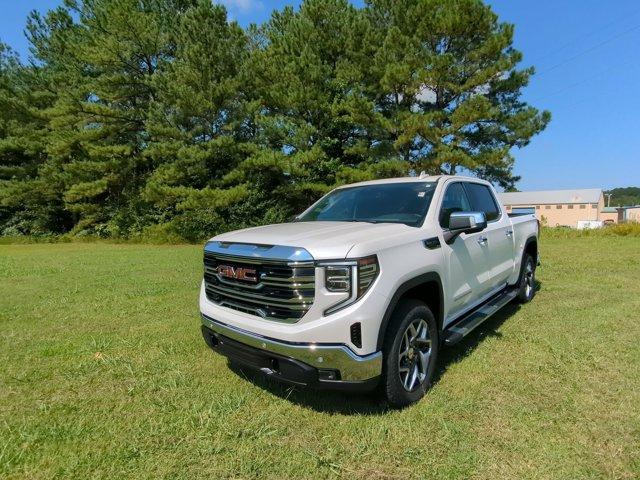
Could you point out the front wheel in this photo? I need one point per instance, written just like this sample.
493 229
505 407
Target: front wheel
410 353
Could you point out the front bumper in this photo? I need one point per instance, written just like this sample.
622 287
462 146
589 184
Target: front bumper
307 364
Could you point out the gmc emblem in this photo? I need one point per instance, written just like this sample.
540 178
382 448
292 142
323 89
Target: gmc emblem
238 273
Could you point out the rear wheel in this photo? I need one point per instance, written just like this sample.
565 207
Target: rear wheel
527 289
410 353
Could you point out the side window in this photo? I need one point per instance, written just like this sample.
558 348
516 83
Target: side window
455 200
482 200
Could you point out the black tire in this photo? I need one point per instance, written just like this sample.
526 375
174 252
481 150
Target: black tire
527 281
409 313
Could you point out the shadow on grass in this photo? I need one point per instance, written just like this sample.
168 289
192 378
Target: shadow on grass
371 403
319 400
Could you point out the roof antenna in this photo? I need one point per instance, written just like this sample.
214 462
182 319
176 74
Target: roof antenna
423 174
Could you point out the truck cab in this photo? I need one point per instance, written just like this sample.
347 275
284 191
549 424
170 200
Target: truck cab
366 286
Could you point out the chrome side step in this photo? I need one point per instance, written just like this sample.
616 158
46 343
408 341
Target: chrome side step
463 327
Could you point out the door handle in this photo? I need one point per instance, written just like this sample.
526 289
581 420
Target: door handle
509 233
483 241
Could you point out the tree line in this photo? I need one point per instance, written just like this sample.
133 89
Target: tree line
621 197
132 116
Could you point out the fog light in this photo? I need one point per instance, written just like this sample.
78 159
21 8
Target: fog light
324 374
275 365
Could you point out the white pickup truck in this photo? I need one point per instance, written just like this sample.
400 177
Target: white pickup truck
364 287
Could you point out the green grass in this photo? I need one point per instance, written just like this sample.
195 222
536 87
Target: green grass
631 229
104 375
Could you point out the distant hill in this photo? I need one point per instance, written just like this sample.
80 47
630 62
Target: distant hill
624 196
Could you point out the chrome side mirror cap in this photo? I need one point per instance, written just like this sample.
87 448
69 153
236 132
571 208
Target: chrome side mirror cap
465 222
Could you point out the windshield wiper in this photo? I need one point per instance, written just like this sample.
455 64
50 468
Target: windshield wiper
366 221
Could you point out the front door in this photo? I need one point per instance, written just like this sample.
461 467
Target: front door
467 259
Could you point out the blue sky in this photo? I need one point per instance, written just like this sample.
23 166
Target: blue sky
586 53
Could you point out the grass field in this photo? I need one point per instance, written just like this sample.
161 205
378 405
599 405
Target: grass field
104 374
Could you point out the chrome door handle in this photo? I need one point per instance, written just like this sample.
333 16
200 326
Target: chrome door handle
509 233
483 241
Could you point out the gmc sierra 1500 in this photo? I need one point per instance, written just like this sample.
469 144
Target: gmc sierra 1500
366 285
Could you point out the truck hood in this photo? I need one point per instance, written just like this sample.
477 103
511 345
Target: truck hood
323 240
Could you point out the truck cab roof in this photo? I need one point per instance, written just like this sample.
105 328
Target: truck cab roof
418 178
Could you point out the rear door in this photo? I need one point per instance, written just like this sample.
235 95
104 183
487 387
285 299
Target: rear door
498 246
466 258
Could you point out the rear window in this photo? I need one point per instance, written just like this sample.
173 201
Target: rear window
482 200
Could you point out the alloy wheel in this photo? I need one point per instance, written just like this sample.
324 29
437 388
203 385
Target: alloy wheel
414 356
529 279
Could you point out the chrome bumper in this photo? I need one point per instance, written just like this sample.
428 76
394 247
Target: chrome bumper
352 367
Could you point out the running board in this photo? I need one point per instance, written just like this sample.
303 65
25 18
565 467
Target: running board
474 319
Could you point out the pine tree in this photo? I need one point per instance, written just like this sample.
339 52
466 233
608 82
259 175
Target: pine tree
196 126
134 113
105 64
450 88
312 112
28 204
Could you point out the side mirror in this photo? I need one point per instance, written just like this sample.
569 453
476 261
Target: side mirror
464 222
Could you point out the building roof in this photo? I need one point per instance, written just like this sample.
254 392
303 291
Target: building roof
585 195
610 209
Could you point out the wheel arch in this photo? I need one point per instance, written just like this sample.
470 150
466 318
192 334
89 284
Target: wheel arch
426 287
531 247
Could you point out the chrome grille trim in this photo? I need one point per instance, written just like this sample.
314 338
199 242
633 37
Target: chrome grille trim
260 253
258 261
292 303
284 292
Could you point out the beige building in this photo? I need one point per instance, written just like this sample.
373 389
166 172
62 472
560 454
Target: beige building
632 214
612 215
556 208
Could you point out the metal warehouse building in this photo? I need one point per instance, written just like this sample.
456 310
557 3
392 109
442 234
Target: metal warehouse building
561 207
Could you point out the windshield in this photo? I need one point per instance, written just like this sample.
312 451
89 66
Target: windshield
405 202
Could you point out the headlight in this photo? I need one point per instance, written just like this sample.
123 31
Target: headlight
350 276
367 273
337 278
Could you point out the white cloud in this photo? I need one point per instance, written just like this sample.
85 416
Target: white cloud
242 6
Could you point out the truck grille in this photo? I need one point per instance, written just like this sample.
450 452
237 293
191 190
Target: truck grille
270 289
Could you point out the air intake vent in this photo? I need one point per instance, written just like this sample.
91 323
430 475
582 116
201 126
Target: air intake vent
356 334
